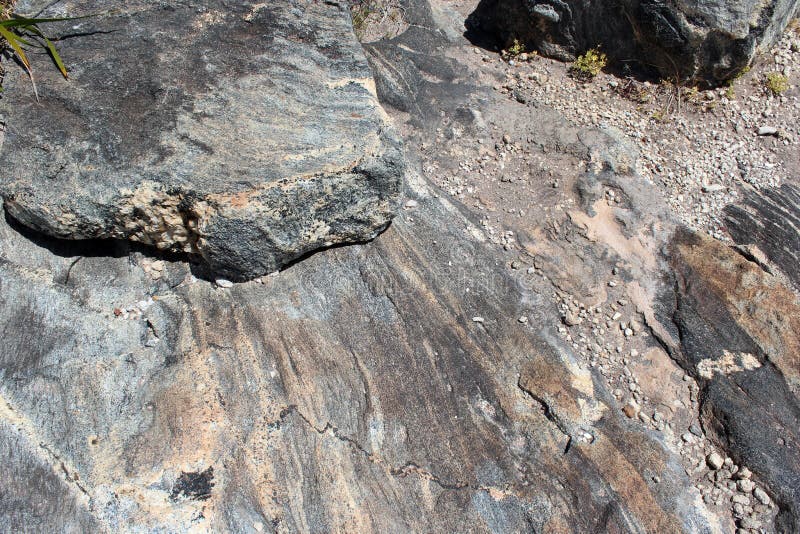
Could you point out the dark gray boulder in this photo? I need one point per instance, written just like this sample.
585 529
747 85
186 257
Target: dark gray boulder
693 40
245 133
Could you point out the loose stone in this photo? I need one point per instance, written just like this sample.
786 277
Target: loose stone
762 496
714 460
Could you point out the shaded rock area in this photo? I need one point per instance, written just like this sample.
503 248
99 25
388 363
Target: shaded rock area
693 41
597 369
245 134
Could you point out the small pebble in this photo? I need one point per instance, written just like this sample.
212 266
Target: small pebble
762 496
714 460
745 485
221 282
713 188
743 473
571 318
741 499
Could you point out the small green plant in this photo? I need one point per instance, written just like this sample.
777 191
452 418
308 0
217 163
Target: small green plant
741 73
18 33
589 64
515 49
776 83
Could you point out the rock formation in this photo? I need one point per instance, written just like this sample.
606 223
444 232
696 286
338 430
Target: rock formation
694 41
246 134
426 381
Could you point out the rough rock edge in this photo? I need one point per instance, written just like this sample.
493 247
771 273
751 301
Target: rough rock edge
175 220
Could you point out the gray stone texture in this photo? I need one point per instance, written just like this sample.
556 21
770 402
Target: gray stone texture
353 392
247 134
696 41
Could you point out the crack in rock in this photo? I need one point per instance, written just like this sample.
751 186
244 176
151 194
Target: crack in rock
550 414
408 469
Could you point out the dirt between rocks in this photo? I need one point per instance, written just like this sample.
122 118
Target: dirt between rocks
517 166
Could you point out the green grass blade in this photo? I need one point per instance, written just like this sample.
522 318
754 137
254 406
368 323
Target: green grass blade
56 57
14 42
52 49
15 37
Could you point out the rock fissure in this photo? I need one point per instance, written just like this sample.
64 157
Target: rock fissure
549 413
408 469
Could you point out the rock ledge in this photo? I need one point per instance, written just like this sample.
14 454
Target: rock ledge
204 142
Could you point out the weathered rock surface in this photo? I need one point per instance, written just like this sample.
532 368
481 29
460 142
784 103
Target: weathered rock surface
245 133
352 391
739 331
694 40
767 225
356 391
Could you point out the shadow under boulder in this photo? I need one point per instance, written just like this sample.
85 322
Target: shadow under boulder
691 40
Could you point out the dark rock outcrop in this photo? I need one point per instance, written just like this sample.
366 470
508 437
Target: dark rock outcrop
245 133
691 40
353 391
739 331
767 227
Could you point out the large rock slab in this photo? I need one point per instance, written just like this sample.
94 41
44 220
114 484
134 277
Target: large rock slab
693 40
391 386
245 133
353 391
739 331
